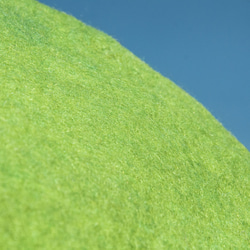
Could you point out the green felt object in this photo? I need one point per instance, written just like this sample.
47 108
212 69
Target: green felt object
99 151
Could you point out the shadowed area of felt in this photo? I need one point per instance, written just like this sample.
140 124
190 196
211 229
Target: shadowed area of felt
99 151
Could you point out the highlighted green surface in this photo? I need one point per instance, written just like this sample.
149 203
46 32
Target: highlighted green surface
99 151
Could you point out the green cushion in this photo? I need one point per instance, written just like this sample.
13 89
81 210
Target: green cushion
99 151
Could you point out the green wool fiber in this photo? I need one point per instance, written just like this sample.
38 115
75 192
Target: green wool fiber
99 151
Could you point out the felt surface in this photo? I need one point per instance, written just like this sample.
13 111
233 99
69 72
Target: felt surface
99 151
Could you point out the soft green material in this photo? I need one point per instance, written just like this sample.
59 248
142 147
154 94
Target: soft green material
99 151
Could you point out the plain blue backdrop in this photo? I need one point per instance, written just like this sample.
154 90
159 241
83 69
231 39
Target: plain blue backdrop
201 45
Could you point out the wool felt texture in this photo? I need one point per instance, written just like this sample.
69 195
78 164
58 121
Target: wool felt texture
99 151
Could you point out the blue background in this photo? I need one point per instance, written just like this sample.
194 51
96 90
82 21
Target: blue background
201 45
